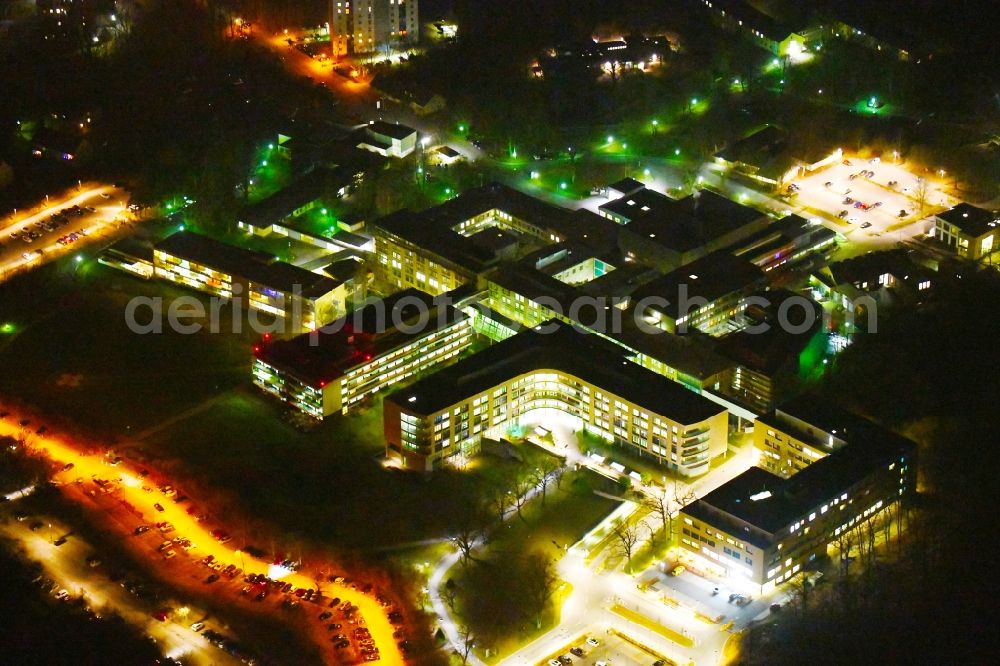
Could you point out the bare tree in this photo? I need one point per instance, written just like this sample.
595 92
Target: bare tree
801 589
468 533
845 541
666 503
450 593
921 193
522 486
466 641
500 500
539 579
628 534
548 469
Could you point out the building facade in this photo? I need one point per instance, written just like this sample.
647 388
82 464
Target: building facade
303 299
970 232
576 374
364 26
833 485
389 139
384 343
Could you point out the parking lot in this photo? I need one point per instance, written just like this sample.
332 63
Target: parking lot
870 198
612 648
59 228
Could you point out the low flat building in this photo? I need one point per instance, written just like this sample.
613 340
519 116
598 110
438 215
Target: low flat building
766 157
782 341
586 378
301 196
388 139
447 155
765 527
624 187
785 243
743 17
669 233
969 231
302 298
879 278
441 248
704 295
131 256
383 343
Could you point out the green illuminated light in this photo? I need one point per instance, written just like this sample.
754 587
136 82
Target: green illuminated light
7 328
677 151
562 185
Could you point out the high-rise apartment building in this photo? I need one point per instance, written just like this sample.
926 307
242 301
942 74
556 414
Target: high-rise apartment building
363 26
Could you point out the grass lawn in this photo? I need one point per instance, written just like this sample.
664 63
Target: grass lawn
566 516
72 355
325 486
187 403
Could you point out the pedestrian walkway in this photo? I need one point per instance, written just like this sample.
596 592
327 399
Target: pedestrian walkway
643 621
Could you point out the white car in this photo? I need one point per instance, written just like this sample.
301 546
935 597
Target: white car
197 626
62 594
593 642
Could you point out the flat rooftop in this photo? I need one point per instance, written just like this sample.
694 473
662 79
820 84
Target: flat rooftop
257 267
771 350
757 505
433 229
566 350
711 277
320 357
299 193
757 147
683 224
972 220
870 266
391 130
626 185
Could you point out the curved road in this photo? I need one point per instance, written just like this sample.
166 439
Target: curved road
88 464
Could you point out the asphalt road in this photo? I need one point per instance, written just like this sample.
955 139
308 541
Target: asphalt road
144 500
66 565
